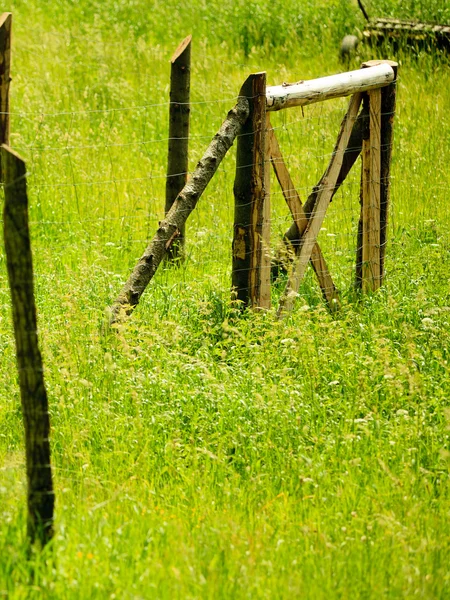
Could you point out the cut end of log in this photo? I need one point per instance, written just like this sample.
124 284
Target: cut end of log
12 165
242 109
9 150
5 18
117 314
376 63
181 48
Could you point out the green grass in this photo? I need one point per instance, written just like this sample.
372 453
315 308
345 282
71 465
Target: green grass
198 453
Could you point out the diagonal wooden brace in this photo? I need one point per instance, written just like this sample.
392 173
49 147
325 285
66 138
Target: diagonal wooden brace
294 203
351 154
324 196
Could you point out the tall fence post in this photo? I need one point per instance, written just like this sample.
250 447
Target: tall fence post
177 167
251 256
5 78
375 183
29 360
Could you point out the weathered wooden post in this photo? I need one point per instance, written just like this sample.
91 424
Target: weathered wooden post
388 101
251 255
5 77
370 190
29 361
375 176
177 167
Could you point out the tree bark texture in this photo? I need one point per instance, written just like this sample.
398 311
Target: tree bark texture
29 361
179 112
251 266
184 204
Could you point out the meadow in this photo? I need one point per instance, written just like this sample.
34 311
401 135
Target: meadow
199 452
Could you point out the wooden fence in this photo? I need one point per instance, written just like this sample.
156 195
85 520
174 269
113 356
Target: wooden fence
370 134
366 129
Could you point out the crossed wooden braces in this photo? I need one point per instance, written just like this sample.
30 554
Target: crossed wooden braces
308 229
370 134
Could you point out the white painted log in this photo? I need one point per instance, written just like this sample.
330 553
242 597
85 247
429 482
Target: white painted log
317 90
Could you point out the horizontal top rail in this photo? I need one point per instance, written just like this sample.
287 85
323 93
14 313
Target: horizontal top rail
317 90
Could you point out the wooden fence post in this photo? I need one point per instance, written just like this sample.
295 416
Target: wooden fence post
5 77
29 361
177 167
251 257
370 188
375 183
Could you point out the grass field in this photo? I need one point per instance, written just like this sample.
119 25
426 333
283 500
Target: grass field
198 453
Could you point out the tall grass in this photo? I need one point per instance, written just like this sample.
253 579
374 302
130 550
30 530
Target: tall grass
199 453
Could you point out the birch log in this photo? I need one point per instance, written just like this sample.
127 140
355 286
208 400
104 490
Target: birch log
185 203
335 86
29 362
177 162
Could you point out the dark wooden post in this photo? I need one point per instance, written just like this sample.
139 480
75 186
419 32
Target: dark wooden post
388 100
251 259
29 361
375 183
5 77
177 167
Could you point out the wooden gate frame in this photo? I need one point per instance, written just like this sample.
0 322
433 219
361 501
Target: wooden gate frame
368 133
